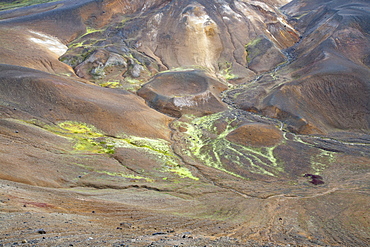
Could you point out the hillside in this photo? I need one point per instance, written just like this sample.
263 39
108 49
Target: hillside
192 123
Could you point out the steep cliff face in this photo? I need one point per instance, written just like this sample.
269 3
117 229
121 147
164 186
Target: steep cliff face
195 122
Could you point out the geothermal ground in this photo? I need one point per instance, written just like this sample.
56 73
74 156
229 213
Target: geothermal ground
185 123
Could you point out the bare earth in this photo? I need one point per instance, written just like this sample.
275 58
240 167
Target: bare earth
185 123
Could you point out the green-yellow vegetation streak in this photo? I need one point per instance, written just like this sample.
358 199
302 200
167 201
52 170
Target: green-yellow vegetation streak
117 174
208 145
160 149
213 151
111 84
247 47
226 73
319 162
87 138
84 136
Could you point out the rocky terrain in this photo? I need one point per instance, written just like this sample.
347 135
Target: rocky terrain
185 123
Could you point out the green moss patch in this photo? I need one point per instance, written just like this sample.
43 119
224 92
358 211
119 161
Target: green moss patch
88 139
226 71
73 127
202 140
159 149
182 172
117 174
320 162
207 144
253 49
111 84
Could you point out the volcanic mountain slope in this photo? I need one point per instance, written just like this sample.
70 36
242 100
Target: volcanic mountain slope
218 122
325 86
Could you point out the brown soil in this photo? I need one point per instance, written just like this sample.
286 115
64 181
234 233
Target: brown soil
241 143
